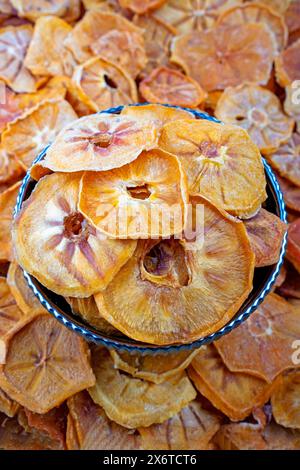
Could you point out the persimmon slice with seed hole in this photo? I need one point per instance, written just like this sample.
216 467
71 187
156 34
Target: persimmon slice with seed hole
133 402
192 428
262 345
156 368
285 401
179 291
89 428
100 142
259 112
77 260
8 201
221 163
288 65
146 198
293 248
286 160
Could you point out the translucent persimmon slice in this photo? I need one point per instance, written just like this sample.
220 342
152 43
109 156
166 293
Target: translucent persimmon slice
67 254
103 85
26 137
217 60
277 5
178 291
266 232
100 142
8 406
221 163
256 12
89 428
263 345
259 112
133 402
45 364
286 160
165 85
146 198
8 201
69 9
293 248
235 394
156 368
291 194
141 6
191 429
288 65
285 401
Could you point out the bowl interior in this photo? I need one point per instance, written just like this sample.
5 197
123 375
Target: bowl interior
264 279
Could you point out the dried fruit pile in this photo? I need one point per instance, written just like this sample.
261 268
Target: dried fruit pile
68 59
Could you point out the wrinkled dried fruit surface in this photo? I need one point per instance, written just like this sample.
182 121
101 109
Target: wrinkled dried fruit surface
89 428
45 364
7 204
133 402
286 160
291 285
67 254
292 19
182 288
141 6
263 345
22 293
259 112
266 232
285 401
293 248
191 429
52 424
10 170
291 104
221 163
8 406
288 65
226 56
291 194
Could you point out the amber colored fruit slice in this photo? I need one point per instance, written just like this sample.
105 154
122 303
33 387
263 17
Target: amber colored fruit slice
133 402
193 15
90 429
281 278
59 247
259 112
288 65
221 163
25 138
286 160
100 142
291 285
291 194
285 401
217 60
8 406
191 429
145 199
263 345
10 170
68 9
165 85
292 19
158 36
235 394
277 5
45 364
91 27
9 109
178 291
44 60
141 6
291 104
104 85
256 12
14 42
156 368
293 248
266 232
7 204
112 6
124 48
88 310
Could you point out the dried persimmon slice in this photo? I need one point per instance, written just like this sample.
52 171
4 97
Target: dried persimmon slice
291 104
14 42
285 401
235 394
291 285
277 5
145 199
51 424
7 204
77 260
286 160
266 232
257 13
192 428
69 9
141 6
263 345
45 364
293 248
9 109
259 112
291 194
7 406
100 142
156 368
221 163
26 137
165 85
103 85
89 428
133 402
155 299
292 19
216 60
288 65
10 170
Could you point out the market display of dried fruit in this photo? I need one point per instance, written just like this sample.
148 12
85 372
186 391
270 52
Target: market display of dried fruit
150 224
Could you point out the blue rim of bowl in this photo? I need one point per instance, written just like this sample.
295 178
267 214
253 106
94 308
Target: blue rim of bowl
128 344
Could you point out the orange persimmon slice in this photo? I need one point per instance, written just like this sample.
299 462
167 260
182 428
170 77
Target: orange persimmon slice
291 194
286 160
293 248
8 201
141 6
288 65
285 401
7 406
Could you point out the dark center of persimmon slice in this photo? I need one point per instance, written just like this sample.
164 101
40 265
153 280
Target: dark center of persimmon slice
75 225
102 140
209 149
139 192
259 117
110 82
